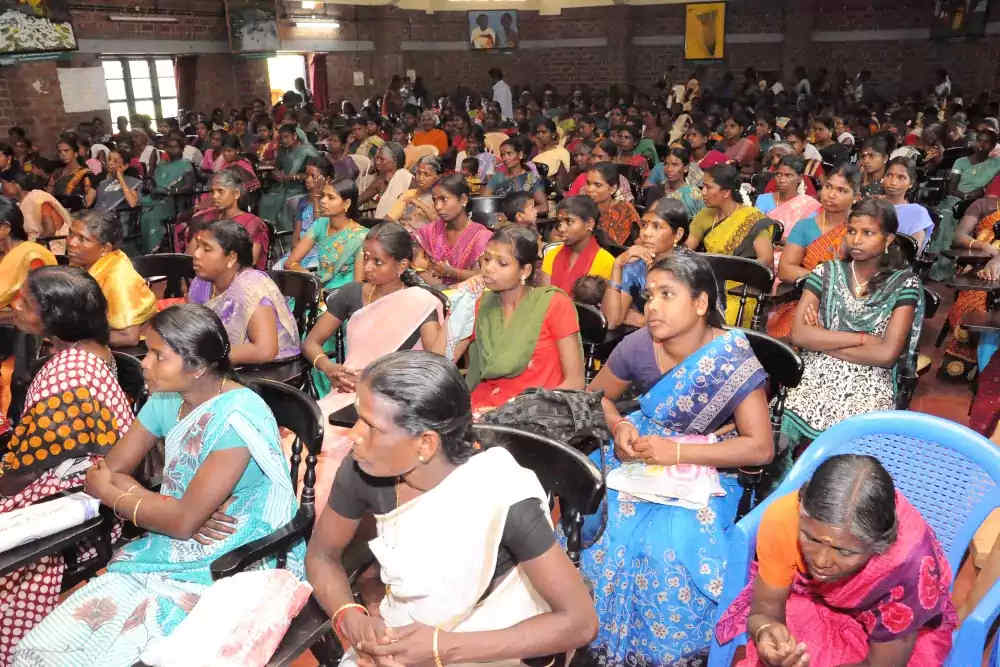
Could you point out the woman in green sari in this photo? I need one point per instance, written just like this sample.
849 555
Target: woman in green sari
729 225
289 178
172 178
225 484
969 178
336 237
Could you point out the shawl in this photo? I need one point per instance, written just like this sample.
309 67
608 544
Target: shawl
17 264
790 212
503 349
130 301
564 274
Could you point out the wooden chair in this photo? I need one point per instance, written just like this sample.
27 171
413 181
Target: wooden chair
593 331
755 282
906 383
485 210
175 268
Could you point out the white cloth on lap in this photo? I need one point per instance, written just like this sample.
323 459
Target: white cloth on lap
686 485
43 519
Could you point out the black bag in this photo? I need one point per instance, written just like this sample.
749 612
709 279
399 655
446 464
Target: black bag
569 416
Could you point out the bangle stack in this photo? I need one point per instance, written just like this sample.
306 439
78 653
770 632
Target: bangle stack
317 358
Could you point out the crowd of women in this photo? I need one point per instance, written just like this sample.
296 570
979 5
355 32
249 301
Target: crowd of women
617 207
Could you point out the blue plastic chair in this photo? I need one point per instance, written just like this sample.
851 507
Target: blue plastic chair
947 471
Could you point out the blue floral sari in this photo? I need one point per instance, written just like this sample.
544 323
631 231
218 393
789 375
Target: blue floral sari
657 570
154 582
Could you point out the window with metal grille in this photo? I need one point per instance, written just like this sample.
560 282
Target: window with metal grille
140 86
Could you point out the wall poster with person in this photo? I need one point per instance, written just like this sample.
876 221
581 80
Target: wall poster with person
493 30
704 30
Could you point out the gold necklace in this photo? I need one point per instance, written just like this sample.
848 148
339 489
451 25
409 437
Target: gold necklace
859 287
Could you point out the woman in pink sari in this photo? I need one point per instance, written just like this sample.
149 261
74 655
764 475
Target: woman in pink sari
453 243
788 203
848 573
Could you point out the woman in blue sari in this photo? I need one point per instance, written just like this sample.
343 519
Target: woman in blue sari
657 569
222 455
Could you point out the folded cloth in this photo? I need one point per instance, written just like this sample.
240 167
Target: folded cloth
238 621
686 485
30 523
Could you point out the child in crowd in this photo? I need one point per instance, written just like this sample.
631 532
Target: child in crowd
470 169
589 290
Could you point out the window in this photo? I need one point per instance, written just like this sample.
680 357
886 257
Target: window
282 70
141 86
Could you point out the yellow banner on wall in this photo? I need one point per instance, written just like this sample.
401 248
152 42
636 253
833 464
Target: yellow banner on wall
705 30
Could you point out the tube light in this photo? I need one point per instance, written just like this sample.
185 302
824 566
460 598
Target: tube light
141 18
316 25
309 4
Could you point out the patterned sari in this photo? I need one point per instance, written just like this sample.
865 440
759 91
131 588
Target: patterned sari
74 412
823 249
968 301
657 570
617 220
155 581
903 590
336 252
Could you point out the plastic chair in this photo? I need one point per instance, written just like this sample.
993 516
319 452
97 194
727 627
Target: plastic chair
415 153
950 473
493 140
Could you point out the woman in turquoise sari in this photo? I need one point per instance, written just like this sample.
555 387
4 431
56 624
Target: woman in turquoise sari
335 237
222 455
288 178
657 568
160 206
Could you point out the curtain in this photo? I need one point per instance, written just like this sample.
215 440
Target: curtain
317 80
186 79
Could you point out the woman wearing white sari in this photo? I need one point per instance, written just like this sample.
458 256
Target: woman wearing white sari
465 546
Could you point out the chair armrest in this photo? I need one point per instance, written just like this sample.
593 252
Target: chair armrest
28 553
280 540
280 233
969 641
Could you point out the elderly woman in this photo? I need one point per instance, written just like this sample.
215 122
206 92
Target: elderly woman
336 237
221 449
500 590
227 189
93 244
430 134
789 203
415 207
47 452
391 181
228 157
848 572
255 313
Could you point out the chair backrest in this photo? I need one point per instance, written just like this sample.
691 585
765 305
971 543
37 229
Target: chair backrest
131 379
777 231
755 281
365 175
593 330
415 153
178 269
485 210
301 415
907 246
563 472
304 289
493 140
931 303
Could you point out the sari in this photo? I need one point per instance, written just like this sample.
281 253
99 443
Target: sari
896 592
15 266
408 214
969 301
394 189
153 582
471 243
241 167
689 196
822 249
501 184
305 213
130 301
249 290
593 261
831 389
972 177
734 235
272 201
788 212
336 252
71 181
75 397
37 206
156 211
450 587
657 571
618 218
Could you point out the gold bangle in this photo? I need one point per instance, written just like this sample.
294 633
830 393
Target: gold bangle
335 619
678 443
437 656
757 634
316 358
129 489
135 512
114 505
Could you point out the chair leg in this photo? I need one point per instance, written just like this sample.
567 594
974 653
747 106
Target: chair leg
945 328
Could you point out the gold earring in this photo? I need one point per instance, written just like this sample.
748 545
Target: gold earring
421 458
523 280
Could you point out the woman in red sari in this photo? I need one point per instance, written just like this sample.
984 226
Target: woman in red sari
849 573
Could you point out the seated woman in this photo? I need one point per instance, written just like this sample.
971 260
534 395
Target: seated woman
848 572
43 214
453 243
550 152
94 244
673 181
318 172
47 452
415 207
789 203
739 149
857 316
221 450
872 159
618 217
662 228
770 164
391 181
515 174
336 237
604 150
117 190
499 590
260 325
729 225
18 256
229 157
832 151
475 146
657 570
288 179
227 190
579 253
815 240
74 178
172 180
914 220
523 336
212 154
628 137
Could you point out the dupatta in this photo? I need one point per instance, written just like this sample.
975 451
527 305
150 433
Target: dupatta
130 301
790 212
336 253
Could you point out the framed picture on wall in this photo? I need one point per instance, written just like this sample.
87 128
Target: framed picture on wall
253 26
959 18
493 30
704 31
34 27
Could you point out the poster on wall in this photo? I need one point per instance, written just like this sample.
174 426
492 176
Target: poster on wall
83 89
959 18
704 30
34 26
493 30
253 26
